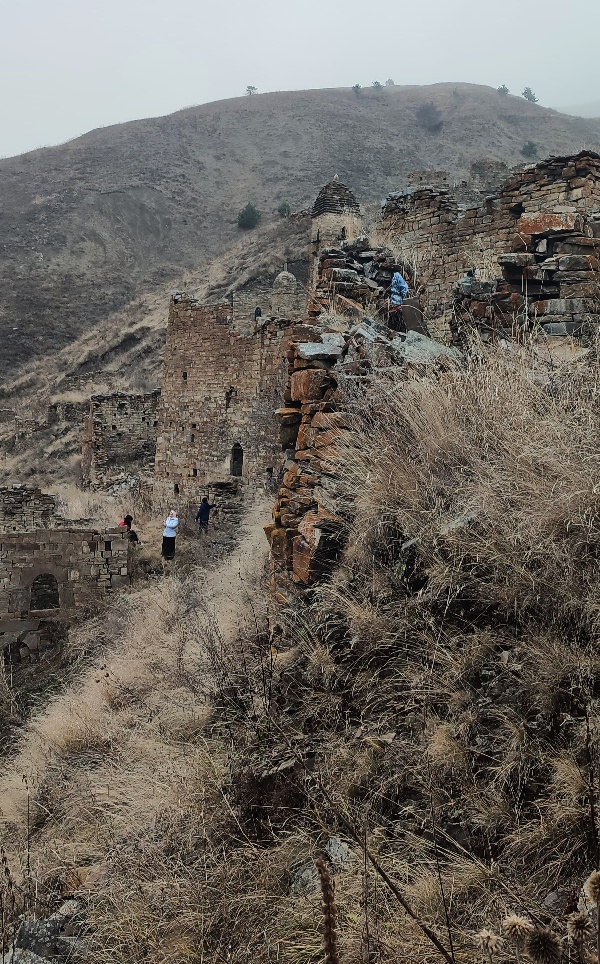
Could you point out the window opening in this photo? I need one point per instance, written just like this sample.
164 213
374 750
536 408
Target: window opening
237 459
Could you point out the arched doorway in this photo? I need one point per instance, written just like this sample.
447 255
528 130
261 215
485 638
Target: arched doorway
237 460
44 592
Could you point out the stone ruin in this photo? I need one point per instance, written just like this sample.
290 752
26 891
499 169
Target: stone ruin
535 243
221 386
24 507
119 438
228 368
537 240
50 568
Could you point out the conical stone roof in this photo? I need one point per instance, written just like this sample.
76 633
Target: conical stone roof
335 198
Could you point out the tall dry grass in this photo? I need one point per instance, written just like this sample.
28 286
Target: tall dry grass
428 725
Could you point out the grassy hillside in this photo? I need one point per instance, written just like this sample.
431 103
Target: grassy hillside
93 224
429 725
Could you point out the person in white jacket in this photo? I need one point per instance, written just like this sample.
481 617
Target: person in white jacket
169 534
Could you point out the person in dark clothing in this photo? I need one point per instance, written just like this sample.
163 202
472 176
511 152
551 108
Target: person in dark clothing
125 523
203 514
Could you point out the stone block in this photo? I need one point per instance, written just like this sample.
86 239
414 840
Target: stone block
310 385
547 222
116 581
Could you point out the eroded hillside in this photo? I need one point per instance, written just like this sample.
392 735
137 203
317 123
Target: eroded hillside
91 225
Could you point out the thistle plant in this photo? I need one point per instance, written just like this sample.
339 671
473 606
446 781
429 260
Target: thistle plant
517 929
544 946
592 891
489 943
579 927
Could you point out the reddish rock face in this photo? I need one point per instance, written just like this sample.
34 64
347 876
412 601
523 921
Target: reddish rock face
544 222
301 560
310 385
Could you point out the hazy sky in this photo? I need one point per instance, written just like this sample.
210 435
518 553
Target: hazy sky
67 66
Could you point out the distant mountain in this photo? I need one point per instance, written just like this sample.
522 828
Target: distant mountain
93 224
591 109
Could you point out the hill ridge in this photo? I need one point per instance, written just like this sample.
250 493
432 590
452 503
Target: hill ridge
89 226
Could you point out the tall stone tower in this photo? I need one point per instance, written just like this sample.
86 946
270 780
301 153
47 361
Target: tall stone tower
335 215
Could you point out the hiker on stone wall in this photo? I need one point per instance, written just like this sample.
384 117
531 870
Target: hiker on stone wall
203 514
169 534
398 292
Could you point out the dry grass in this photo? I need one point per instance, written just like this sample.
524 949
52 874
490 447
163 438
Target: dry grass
434 710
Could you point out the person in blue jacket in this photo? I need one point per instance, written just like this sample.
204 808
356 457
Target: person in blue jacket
169 534
399 290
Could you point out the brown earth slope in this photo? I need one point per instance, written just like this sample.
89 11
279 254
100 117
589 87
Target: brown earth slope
88 226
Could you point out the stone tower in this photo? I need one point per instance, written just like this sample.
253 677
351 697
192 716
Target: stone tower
335 215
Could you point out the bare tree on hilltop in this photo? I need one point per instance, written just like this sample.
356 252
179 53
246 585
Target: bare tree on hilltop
251 90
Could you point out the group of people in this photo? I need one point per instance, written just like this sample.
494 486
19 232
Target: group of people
171 526
172 523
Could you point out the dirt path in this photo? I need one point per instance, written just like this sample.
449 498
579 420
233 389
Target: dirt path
234 593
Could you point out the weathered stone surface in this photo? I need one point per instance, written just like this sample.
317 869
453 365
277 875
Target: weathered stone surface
331 347
547 222
416 349
310 385
344 275
24 507
519 260
119 436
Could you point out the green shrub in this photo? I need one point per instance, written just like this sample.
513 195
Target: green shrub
284 209
430 118
248 217
357 89
503 89
529 149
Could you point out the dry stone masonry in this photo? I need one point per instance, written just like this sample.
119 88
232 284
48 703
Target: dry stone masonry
47 575
539 217
119 437
536 244
221 386
23 507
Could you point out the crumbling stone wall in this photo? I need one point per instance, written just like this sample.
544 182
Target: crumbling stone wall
554 202
23 507
119 437
309 518
281 295
220 389
61 570
336 217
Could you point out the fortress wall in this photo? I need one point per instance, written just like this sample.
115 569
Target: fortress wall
556 199
23 507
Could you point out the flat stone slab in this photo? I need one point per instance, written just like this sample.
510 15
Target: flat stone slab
417 349
331 347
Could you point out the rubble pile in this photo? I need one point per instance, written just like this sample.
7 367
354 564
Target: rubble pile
553 288
353 277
